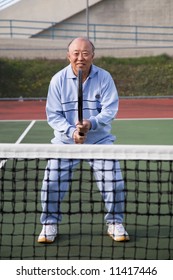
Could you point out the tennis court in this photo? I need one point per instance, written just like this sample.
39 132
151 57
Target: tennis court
140 121
82 232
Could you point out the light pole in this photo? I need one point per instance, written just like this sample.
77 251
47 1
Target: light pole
87 18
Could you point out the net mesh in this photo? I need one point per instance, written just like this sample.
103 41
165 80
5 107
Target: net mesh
148 176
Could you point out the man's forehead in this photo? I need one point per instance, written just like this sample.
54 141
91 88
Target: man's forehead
78 44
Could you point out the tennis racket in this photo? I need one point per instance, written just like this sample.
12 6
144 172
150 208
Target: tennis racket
80 100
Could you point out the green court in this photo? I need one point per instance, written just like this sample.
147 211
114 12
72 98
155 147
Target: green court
83 231
128 132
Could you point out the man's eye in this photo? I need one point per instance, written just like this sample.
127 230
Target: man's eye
83 53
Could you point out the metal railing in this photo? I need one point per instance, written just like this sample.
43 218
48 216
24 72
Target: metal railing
102 32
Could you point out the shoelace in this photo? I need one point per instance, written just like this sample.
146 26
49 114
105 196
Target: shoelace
118 227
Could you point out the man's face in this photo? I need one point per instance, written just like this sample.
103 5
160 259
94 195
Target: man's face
80 55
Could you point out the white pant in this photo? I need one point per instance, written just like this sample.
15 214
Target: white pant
55 184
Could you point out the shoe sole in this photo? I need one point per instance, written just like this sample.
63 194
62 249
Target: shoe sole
45 240
119 238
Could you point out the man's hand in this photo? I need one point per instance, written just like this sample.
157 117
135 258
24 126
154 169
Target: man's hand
78 139
81 128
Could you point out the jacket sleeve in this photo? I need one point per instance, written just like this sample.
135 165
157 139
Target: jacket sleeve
54 111
109 103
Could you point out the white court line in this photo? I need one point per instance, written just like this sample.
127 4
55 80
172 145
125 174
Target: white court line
40 120
144 119
25 132
20 139
116 119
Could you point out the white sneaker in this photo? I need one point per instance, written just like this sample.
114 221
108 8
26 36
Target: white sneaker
48 233
117 232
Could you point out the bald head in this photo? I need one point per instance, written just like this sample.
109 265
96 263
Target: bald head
80 39
80 54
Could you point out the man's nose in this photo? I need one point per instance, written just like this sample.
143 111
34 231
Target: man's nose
80 56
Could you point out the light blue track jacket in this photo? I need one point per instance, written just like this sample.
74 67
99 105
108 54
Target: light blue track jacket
100 105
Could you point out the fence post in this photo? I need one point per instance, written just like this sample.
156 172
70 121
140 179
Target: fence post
52 31
136 35
94 32
11 29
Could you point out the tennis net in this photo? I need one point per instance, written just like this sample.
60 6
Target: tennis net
148 176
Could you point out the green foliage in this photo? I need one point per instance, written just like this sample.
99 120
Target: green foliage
144 76
27 78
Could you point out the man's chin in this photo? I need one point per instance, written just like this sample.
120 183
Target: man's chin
80 66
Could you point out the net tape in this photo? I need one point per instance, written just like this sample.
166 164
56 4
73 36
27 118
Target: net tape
126 152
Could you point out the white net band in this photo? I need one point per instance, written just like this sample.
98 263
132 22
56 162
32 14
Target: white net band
121 152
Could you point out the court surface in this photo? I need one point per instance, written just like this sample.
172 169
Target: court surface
140 121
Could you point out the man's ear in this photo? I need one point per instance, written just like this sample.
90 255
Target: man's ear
68 56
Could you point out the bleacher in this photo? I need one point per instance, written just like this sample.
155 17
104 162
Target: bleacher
28 29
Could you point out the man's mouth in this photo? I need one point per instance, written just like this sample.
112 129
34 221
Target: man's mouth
80 64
